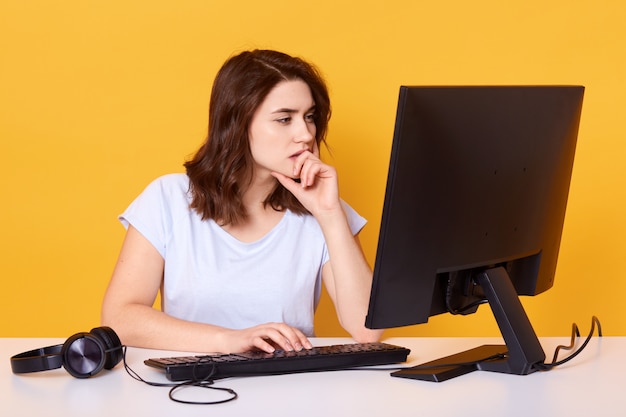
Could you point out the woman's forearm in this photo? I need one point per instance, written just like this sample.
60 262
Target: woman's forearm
350 279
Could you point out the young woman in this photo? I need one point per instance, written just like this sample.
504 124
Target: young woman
240 245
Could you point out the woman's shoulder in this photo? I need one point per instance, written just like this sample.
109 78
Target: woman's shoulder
174 180
170 184
167 189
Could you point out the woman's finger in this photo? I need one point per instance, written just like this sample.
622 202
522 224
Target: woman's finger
282 336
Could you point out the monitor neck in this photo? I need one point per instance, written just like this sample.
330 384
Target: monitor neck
523 346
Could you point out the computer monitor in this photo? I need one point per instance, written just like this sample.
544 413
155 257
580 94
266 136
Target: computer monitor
474 208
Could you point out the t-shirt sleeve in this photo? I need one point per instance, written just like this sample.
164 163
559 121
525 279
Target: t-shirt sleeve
146 214
355 220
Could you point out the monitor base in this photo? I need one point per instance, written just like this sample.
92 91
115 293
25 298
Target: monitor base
455 365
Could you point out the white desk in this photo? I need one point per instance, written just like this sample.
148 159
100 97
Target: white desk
590 385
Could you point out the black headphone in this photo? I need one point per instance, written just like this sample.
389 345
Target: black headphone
82 355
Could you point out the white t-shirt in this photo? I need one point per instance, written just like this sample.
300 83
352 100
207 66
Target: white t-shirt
211 277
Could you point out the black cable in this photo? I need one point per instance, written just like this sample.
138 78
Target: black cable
205 382
137 377
572 343
462 310
201 384
548 366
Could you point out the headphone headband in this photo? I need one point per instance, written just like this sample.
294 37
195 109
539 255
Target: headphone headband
36 360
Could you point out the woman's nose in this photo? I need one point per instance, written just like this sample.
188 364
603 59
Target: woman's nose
306 132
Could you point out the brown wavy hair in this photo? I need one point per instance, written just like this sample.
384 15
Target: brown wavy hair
221 169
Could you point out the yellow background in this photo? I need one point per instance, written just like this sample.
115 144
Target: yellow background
97 98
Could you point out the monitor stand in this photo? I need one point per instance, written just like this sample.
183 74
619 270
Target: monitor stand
521 352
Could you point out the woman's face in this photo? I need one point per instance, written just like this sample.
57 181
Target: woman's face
282 127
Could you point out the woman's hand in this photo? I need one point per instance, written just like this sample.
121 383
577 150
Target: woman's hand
318 189
266 337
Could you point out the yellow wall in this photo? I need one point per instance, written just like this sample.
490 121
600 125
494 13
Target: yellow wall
97 98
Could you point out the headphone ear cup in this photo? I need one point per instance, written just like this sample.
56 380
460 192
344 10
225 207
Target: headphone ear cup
112 345
83 355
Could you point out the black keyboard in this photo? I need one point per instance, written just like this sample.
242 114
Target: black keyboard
321 358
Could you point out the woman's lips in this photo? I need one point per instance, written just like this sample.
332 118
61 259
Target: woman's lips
297 154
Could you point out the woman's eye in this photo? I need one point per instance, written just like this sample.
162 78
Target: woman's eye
310 117
284 120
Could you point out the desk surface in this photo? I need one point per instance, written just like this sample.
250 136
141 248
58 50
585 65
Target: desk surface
589 385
